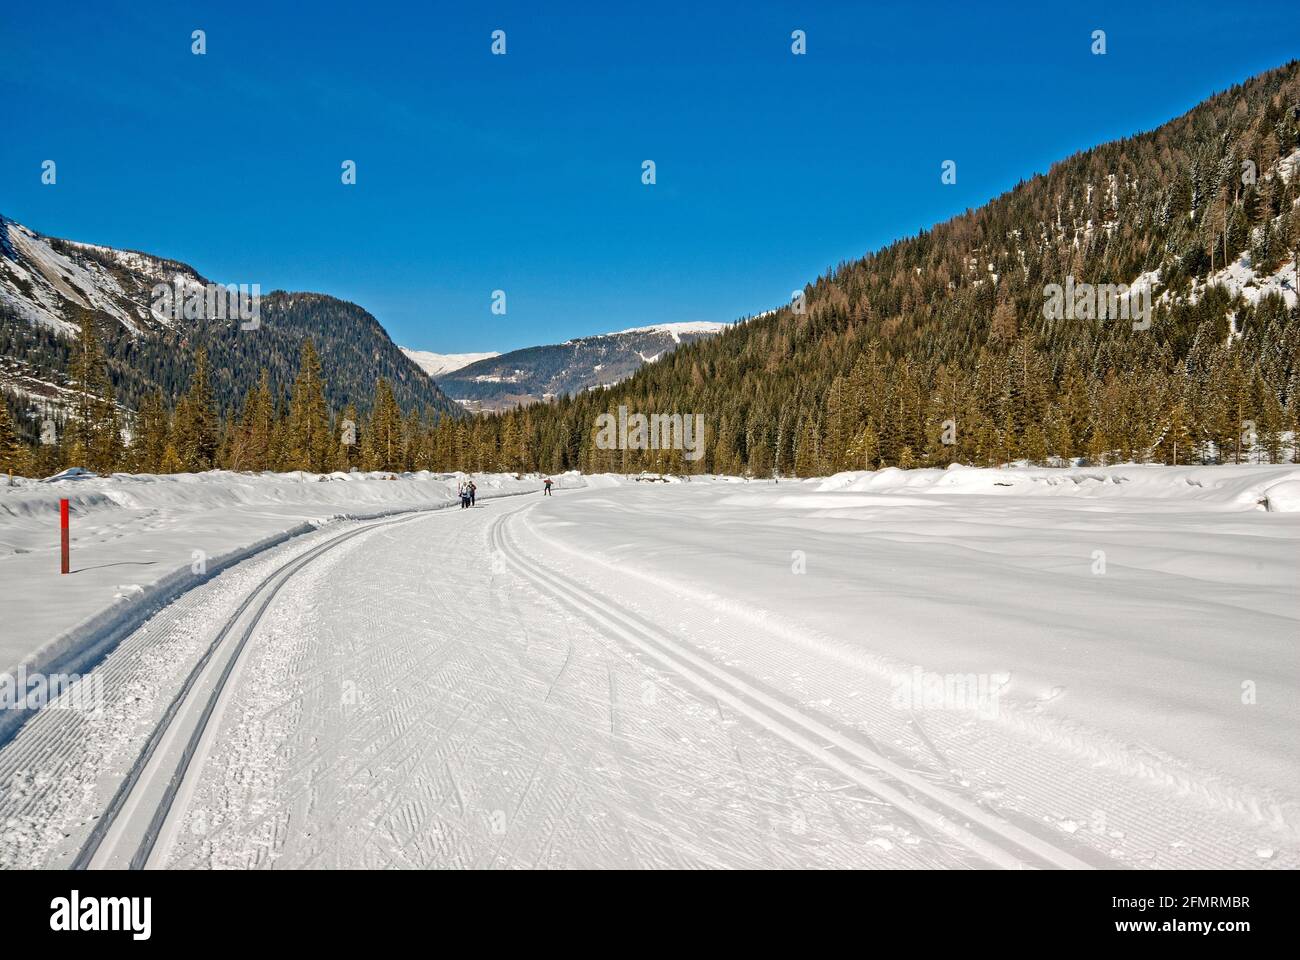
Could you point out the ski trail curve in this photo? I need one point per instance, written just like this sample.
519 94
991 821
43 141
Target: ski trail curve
999 842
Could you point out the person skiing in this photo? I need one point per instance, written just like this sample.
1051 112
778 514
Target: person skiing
546 488
464 495
473 491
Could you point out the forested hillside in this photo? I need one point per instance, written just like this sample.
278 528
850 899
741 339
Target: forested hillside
51 289
540 373
949 325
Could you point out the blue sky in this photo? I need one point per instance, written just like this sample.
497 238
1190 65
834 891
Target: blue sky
523 172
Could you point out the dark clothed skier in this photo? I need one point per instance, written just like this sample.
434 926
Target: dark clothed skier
546 488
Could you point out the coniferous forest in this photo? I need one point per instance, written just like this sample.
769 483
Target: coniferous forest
934 350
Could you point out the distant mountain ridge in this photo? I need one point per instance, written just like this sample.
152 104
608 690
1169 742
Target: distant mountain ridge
440 364
535 374
50 287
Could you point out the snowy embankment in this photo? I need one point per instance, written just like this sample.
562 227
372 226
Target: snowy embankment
1140 620
1274 488
139 540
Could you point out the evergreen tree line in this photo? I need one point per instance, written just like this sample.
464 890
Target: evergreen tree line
277 430
1234 397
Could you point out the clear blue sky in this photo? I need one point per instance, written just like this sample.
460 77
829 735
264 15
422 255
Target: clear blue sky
523 172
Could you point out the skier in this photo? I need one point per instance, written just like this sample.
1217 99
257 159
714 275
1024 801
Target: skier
546 490
473 490
464 496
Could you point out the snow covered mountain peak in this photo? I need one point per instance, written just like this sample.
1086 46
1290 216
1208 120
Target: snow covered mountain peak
439 364
676 330
500 381
52 283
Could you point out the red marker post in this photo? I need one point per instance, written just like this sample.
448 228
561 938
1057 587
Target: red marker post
63 529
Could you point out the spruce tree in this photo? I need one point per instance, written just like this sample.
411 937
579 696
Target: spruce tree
150 435
86 415
13 454
198 449
310 437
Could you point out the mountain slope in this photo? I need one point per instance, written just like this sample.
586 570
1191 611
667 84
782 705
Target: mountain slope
53 283
50 287
532 374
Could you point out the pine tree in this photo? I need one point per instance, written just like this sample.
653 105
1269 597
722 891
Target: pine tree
261 426
197 445
13 454
864 454
238 454
384 448
1235 391
843 421
726 458
310 439
508 459
182 438
87 418
807 457
107 447
1005 325
1178 435
1057 429
1270 422
413 444
171 460
150 435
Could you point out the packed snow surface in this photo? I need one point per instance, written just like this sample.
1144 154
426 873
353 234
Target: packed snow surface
933 668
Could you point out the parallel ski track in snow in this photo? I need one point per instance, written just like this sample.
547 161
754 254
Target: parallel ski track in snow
452 754
267 590
989 836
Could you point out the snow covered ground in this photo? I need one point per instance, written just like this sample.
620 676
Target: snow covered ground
1020 667
1141 619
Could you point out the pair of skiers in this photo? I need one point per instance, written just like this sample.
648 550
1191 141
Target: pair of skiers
467 491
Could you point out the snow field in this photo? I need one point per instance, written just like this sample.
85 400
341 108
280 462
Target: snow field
716 673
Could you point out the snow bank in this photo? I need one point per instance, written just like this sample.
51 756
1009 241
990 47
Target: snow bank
1275 488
